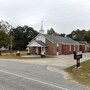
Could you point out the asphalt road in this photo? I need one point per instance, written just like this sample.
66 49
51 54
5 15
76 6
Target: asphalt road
25 76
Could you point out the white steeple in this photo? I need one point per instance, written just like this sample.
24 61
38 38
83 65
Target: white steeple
41 31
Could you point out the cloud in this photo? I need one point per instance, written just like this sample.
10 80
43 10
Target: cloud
63 16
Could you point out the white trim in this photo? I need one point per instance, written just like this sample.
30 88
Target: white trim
57 44
70 47
85 47
35 38
57 49
57 53
74 47
78 47
34 44
43 50
41 38
36 50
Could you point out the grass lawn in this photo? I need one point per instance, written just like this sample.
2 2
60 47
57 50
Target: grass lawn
82 75
23 55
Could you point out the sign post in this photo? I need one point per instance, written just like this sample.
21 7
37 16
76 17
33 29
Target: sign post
78 63
77 56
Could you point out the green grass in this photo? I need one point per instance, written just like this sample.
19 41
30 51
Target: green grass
82 75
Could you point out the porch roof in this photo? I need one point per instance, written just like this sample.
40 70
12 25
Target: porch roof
41 43
36 43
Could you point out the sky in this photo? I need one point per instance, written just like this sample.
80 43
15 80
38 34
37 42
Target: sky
63 16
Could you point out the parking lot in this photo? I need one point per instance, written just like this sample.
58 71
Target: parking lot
39 71
62 61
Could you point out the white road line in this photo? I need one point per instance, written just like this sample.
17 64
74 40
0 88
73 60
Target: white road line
39 81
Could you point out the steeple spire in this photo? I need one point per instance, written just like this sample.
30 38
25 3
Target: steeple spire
41 25
41 29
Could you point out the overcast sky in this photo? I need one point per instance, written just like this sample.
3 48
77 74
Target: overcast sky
62 15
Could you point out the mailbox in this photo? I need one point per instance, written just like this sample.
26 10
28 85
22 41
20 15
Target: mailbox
77 55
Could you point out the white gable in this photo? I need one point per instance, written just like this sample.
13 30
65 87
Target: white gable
34 44
41 38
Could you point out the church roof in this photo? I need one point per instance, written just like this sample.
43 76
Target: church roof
61 40
41 43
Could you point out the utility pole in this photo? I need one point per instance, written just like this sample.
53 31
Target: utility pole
11 39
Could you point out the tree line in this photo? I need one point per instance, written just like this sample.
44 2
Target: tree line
77 35
20 36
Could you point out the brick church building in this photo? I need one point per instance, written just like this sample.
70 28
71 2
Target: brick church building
55 45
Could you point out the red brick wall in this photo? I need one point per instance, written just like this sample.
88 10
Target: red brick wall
51 48
75 48
84 49
66 49
62 49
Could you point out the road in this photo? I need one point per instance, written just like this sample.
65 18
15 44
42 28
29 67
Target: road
16 75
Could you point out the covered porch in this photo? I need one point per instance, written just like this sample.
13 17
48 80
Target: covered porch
37 47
